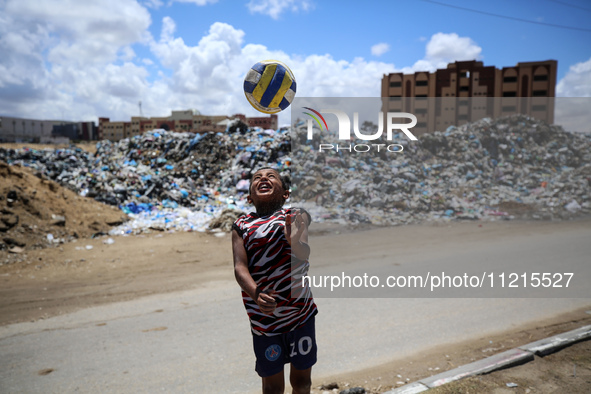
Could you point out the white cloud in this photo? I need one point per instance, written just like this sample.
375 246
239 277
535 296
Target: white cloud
576 82
63 60
54 65
274 8
572 104
380 49
155 4
444 48
197 2
210 75
83 32
168 29
59 56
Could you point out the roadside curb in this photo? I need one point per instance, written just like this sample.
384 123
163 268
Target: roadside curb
510 358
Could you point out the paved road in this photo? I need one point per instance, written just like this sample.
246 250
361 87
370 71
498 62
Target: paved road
198 341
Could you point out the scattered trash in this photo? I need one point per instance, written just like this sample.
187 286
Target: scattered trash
329 386
16 250
512 385
109 241
46 371
499 169
573 207
353 390
89 247
58 220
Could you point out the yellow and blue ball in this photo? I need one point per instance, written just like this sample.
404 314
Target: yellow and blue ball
270 86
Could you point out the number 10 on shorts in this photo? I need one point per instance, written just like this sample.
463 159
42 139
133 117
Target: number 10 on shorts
303 348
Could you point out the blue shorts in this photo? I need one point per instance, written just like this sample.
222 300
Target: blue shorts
297 347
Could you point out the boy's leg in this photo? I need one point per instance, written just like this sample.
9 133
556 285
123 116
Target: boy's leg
301 380
270 355
302 345
274 384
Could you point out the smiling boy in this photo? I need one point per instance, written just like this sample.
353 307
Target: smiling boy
270 256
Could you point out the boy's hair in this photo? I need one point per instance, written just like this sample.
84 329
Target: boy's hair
285 181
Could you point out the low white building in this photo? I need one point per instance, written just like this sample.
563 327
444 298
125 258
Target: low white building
29 130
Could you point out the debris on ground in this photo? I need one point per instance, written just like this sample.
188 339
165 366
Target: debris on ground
511 167
501 169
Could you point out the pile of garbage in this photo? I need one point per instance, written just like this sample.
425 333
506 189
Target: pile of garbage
509 167
163 180
504 168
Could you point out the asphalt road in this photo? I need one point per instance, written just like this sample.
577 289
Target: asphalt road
198 341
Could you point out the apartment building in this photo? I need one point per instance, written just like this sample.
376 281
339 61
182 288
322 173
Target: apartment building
179 121
468 91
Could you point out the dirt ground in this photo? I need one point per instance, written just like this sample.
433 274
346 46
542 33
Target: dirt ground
88 146
69 277
40 279
554 373
566 371
33 209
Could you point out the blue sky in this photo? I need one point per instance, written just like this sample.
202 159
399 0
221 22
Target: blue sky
81 60
348 29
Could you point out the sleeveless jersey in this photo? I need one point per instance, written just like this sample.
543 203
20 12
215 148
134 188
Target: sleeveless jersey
272 266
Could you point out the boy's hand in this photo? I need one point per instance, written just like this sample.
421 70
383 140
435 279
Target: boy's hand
266 302
294 227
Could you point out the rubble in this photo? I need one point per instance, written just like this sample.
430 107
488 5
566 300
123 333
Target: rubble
165 181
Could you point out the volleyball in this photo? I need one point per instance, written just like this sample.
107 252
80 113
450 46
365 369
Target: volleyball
269 86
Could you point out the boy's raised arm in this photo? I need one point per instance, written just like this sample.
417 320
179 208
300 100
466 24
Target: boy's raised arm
296 232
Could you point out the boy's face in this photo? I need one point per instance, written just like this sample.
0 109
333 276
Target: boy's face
266 187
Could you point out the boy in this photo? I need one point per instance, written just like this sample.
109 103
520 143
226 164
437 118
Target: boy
281 311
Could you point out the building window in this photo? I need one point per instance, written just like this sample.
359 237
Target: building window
538 107
421 83
421 97
420 110
463 117
540 77
539 93
508 108
463 102
464 88
509 94
395 84
421 124
465 74
510 79
395 98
